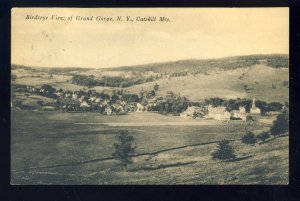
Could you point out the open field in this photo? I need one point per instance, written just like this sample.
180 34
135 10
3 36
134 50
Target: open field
227 84
52 138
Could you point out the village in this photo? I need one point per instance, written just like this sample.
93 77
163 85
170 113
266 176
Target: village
120 103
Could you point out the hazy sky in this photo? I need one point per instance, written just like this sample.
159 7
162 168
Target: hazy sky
192 33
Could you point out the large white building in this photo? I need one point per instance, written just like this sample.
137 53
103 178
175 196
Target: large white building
218 113
224 116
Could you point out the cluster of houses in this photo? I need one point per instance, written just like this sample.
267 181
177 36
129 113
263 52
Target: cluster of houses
152 101
92 102
36 89
219 113
78 101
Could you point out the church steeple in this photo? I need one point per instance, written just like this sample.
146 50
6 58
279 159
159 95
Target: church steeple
253 103
254 109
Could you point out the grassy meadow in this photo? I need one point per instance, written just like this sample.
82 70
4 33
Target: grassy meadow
227 84
42 139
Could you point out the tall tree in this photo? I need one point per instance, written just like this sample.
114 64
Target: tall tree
280 125
124 148
223 151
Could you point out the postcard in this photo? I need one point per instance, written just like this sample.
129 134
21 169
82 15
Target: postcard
123 96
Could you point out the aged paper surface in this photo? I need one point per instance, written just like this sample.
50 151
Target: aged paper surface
149 95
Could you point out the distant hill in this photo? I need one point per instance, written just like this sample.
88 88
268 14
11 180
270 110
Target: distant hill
203 65
258 81
49 69
192 65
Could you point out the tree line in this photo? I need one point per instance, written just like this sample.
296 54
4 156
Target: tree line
114 81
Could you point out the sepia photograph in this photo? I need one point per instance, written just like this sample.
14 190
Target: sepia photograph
150 96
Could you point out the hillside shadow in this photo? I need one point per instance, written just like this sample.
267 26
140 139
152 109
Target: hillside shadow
161 166
273 138
239 158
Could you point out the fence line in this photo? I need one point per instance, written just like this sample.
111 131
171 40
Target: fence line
111 158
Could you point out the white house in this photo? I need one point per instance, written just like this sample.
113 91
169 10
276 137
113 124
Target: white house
140 108
84 104
224 116
59 94
30 88
74 95
82 98
68 95
92 98
242 110
98 100
108 110
104 103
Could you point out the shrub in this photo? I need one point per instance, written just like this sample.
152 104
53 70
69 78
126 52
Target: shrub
280 125
263 136
249 118
249 138
223 151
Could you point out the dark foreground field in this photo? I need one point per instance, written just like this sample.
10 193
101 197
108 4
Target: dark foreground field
65 148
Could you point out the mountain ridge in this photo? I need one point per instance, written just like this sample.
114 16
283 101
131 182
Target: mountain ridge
230 62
